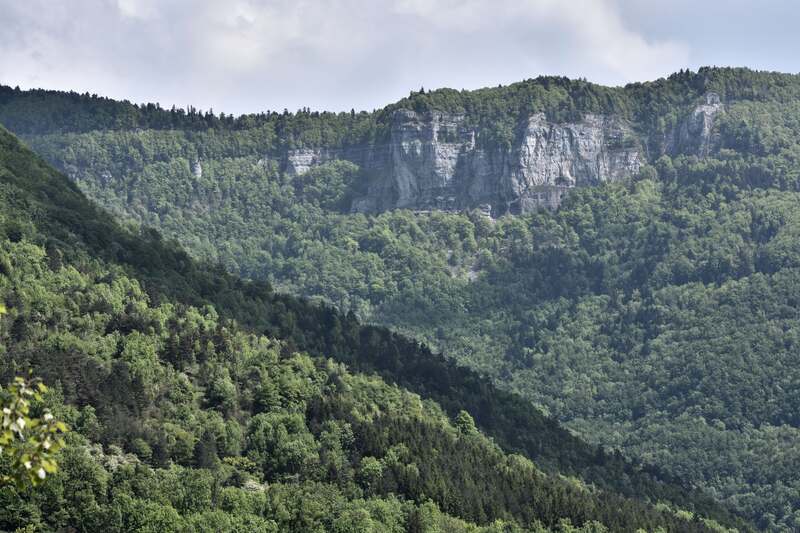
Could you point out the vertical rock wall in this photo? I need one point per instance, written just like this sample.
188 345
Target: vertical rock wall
434 160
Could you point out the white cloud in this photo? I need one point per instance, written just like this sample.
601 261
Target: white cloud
137 9
602 36
250 55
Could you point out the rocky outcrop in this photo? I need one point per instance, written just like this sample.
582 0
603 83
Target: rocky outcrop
301 160
695 133
435 162
424 163
552 158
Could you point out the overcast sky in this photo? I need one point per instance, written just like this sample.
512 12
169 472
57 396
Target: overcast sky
242 56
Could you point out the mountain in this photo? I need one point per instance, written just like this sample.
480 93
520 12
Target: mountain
510 149
184 419
433 160
653 313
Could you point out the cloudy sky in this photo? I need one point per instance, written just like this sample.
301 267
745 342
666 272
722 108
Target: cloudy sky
252 55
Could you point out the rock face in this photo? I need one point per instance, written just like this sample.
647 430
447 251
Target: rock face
552 158
695 134
433 161
197 169
302 160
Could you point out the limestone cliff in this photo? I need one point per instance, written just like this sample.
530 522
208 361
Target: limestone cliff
435 160
695 134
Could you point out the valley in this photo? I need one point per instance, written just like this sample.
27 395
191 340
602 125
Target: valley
651 309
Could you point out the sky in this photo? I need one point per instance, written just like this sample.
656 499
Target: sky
242 56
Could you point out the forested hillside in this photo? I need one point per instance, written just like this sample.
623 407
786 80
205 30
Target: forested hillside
183 420
657 315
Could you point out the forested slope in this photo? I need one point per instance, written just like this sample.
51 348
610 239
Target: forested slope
655 315
183 420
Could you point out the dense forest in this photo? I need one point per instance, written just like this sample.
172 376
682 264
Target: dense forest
656 316
182 419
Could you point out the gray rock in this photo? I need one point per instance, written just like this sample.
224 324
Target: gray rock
695 134
435 163
197 169
301 160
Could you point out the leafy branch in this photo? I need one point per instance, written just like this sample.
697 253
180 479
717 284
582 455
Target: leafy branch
29 444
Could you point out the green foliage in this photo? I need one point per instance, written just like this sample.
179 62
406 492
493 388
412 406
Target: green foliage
327 186
28 444
157 462
653 317
194 422
76 230
465 424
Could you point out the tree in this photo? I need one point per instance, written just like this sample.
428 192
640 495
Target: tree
29 444
370 473
465 423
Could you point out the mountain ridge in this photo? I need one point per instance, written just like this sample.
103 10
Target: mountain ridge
655 315
438 150
42 207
